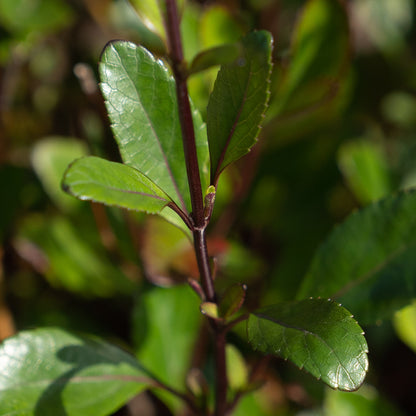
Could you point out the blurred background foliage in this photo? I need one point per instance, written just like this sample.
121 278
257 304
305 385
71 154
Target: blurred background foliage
339 134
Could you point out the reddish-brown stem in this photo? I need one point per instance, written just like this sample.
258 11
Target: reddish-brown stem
199 220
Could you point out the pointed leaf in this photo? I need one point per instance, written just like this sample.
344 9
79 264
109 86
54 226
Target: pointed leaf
111 183
141 100
317 335
368 262
238 103
51 372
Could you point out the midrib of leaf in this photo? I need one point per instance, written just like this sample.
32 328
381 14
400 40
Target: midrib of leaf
121 190
306 332
233 127
169 170
368 275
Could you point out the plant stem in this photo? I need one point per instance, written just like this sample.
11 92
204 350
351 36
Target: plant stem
198 215
185 113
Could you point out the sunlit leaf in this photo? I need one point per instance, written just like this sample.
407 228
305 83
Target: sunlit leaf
141 100
95 179
238 103
404 324
368 262
52 372
317 335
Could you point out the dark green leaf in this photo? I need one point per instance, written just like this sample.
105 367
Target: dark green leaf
141 100
50 372
368 262
232 300
238 103
111 183
317 335
219 55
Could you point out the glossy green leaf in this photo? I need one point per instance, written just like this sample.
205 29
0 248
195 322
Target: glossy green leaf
368 261
141 100
220 55
365 169
165 325
238 103
51 372
99 180
316 334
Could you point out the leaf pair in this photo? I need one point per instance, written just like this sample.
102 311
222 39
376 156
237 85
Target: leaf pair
141 100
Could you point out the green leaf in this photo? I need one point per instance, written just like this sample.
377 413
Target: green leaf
404 324
368 262
220 55
165 325
141 100
238 102
365 168
316 64
50 158
51 372
125 18
72 256
317 335
367 401
37 17
95 179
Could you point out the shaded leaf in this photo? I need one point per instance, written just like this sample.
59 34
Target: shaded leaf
49 372
316 65
238 103
71 256
368 262
141 100
365 169
25 16
219 55
317 335
125 18
367 401
50 158
232 300
165 327
95 179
